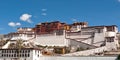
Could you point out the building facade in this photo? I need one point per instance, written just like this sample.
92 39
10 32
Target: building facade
74 36
84 35
22 54
96 35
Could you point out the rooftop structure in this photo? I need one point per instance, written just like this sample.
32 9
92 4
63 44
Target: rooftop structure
47 27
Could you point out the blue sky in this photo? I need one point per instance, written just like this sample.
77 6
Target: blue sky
28 13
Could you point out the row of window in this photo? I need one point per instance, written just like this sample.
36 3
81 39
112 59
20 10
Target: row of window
15 55
15 51
110 39
37 52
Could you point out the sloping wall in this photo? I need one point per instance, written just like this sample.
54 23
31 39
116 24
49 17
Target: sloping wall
52 40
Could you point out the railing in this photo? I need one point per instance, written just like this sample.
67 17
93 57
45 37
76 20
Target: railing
87 33
46 35
71 34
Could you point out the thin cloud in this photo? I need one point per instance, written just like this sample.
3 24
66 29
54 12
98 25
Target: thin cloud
26 18
44 14
18 24
43 9
74 20
118 0
13 24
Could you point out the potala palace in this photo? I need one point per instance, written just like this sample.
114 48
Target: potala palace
60 39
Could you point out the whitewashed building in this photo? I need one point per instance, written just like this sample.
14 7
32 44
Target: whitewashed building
96 35
85 36
79 35
22 54
52 39
22 33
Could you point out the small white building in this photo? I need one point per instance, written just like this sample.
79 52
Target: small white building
22 33
22 54
75 27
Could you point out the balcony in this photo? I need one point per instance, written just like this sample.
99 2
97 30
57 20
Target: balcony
110 34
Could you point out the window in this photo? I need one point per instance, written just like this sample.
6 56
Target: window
4 51
22 55
38 55
14 55
23 51
25 55
7 55
99 30
110 39
4 55
110 28
28 51
7 51
0 55
29 35
10 51
35 52
28 55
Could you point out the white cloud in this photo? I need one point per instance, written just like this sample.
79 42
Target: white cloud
13 24
118 0
18 24
73 19
44 9
26 17
44 14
